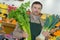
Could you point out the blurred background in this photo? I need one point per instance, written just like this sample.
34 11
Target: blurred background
49 6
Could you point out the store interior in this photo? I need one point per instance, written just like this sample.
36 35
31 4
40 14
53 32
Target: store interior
10 22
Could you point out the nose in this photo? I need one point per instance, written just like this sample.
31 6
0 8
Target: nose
36 10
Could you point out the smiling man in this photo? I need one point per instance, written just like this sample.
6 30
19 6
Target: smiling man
35 23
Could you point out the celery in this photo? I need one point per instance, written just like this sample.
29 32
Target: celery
22 18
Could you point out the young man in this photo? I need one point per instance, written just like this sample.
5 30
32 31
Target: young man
35 23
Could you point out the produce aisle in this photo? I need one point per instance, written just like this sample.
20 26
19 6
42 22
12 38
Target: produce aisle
14 22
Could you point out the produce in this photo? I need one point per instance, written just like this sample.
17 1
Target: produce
4 11
43 16
49 24
52 38
22 18
3 6
57 33
58 24
8 25
11 8
6 20
28 12
14 22
0 21
58 38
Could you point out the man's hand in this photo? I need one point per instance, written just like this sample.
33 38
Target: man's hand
25 35
46 33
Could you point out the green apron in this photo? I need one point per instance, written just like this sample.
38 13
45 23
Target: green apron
35 30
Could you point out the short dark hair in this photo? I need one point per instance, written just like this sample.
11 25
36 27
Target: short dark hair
37 2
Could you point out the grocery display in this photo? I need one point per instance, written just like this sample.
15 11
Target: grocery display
11 17
5 9
9 23
53 23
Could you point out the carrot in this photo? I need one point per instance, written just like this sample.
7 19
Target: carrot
57 33
14 22
58 24
0 21
7 20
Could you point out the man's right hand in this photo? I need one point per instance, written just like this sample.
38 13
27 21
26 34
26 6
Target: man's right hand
24 35
46 33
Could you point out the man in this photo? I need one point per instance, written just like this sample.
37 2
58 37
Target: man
35 22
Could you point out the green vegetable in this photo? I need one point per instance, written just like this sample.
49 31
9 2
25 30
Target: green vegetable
50 22
22 18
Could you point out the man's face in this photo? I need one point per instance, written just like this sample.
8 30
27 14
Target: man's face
36 9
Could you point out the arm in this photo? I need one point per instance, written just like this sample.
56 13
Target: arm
18 33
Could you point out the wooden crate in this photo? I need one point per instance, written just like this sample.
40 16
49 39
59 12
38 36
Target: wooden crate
8 27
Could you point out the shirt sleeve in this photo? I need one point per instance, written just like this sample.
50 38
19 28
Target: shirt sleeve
17 33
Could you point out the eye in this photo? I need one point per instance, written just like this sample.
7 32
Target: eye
39 8
35 7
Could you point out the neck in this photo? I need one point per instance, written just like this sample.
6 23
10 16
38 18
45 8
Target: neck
35 14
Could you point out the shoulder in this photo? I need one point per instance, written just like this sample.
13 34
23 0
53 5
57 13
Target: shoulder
43 18
44 15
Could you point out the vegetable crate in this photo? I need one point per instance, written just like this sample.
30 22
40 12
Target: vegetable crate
8 27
